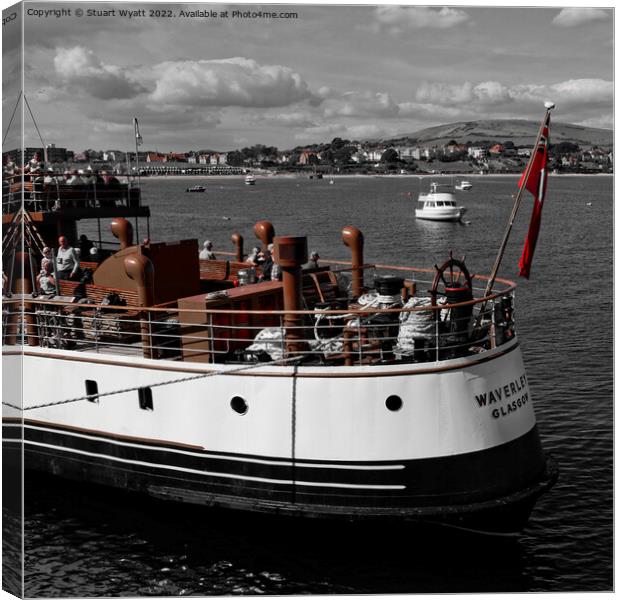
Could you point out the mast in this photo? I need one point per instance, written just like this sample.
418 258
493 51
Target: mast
138 139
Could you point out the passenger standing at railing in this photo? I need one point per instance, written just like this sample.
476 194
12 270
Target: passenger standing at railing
67 262
35 163
9 167
9 202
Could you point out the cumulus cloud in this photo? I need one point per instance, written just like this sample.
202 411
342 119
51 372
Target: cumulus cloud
571 17
228 82
361 104
495 94
486 92
234 81
80 67
326 92
398 19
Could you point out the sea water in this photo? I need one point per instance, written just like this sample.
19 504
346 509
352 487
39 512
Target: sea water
83 541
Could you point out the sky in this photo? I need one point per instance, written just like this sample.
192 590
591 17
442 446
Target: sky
356 72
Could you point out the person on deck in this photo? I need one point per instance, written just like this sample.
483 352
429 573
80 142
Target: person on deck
267 264
253 258
46 283
9 168
35 163
93 255
276 272
50 177
85 245
76 178
110 179
67 263
207 251
313 263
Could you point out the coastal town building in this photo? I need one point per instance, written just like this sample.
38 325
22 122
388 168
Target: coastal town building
405 151
308 157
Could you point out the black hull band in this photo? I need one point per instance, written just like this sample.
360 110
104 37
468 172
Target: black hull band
505 480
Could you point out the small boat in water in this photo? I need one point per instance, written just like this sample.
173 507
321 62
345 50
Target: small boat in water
439 205
196 188
250 179
463 185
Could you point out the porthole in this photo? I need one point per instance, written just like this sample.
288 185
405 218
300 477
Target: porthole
239 405
394 403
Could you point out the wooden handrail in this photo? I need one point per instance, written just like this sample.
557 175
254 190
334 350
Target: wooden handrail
223 311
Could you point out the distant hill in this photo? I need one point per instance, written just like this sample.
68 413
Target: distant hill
519 131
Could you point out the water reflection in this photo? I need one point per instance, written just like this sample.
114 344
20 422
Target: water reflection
118 544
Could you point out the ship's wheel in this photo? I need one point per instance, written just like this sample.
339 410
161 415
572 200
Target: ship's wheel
452 281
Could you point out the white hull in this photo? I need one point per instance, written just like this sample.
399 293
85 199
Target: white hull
440 214
316 441
341 416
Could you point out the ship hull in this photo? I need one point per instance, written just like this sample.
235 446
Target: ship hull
462 449
439 214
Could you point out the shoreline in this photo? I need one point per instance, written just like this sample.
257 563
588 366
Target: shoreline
261 177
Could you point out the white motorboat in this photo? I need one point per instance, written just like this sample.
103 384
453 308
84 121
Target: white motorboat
250 179
196 188
463 185
439 205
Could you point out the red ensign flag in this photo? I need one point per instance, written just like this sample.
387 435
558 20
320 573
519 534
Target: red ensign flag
536 183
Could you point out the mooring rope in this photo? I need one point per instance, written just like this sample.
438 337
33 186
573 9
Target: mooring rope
159 384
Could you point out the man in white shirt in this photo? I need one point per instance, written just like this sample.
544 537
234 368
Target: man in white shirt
67 263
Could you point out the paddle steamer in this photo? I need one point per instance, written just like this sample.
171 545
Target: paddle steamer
352 390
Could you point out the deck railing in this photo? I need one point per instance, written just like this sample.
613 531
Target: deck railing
356 335
39 196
